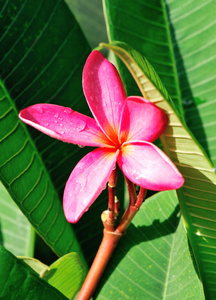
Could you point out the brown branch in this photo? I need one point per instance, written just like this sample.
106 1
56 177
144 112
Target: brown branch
108 244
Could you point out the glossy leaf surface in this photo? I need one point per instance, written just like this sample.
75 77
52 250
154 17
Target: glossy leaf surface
16 233
37 65
153 260
197 197
25 282
194 46
66 274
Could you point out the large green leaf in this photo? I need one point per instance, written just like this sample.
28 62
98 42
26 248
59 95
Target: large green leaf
178 38
194 45
144 25
197 196
19 281
94 27
42 55
16 233
153 259
66 274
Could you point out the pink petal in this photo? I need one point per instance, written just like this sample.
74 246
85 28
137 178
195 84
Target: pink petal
64 124
87 181
142 120
147 166
104 92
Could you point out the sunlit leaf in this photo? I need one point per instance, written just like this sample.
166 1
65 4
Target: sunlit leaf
19 281
178 39
66 274
39 267
94 28
197 197
16 233
153 259
42 54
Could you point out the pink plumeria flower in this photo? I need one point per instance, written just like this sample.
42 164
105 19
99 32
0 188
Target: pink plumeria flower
123 129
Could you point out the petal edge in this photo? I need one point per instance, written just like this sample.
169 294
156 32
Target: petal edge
141 120
86 182
64 124
149 167
104 92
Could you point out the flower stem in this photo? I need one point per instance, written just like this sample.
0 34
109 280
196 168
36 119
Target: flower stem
132 209
111 234
108 244
131 191
109 223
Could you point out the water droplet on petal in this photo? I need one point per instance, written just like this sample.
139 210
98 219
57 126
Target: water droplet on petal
56 115
79 187
80 147
68 110
81 126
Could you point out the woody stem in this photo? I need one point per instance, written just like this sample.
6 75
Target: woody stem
108 244
111 234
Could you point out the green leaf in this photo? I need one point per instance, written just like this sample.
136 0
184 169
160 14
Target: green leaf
153 259
42 55
195 48
145 26
16 233
197 196
35 264
19 281
178 39
66 274
93 28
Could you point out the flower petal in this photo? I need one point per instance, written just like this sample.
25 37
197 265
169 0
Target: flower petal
87 181
141 120
104 92
64 124
149 167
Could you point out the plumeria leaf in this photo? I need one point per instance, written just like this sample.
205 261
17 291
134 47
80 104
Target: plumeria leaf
197 196
39 63
153 260
35 264
178 39
195 49
92 31
16 233
19 281
145 26
66 274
